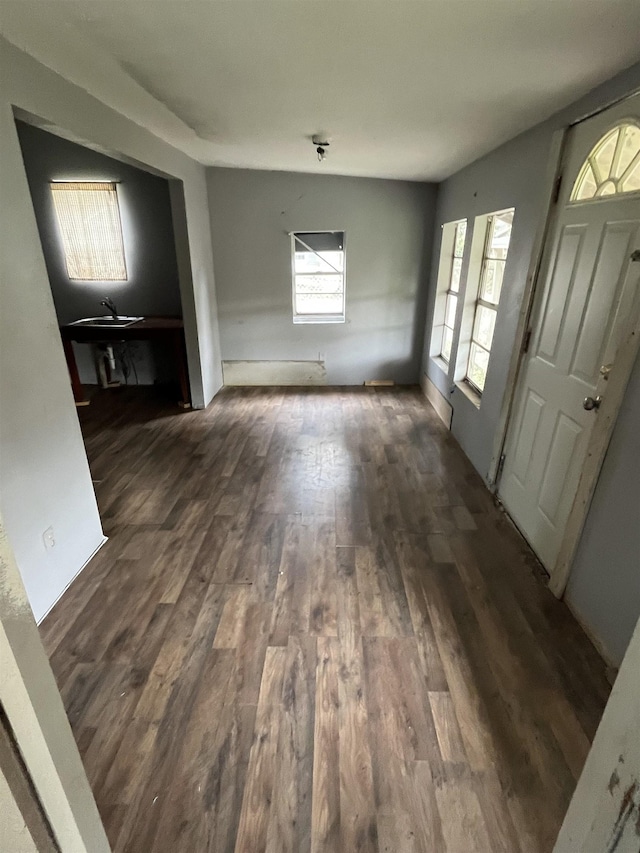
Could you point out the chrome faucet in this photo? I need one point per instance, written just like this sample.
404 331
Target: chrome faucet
109 304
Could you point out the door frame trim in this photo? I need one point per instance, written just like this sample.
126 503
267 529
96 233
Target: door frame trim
627 352
553 175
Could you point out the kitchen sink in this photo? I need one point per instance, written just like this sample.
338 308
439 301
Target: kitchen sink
119 322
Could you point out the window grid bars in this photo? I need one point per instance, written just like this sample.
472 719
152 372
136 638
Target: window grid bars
450 293
481 302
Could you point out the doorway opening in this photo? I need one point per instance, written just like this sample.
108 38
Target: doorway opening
107 235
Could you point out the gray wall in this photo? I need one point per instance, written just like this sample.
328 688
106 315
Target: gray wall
514 176
388 228
152 286
43 466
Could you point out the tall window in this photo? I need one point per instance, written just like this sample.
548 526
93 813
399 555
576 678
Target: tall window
494 258
318 263
453 288
89 220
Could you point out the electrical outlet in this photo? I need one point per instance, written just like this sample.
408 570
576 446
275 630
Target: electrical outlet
49 539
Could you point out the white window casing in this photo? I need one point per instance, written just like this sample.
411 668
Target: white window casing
318 273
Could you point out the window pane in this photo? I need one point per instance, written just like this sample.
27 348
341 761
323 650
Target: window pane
608 188
319 303
447 339
319 241
604 154
484 326
630 147
319 284
631 182
586 185
478 364
491 283
450 311
461 232
500 235
612 166
89 220
456 269
322 262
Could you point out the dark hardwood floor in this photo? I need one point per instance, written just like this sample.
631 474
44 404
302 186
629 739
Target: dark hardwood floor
311 630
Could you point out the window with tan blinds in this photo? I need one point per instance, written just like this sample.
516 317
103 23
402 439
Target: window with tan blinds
89 219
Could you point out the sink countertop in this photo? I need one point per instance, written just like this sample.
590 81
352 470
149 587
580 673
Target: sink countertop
146 325
167 329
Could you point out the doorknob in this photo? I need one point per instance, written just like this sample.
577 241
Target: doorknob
591 403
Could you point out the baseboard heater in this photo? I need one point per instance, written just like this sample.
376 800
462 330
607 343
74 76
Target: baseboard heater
241 373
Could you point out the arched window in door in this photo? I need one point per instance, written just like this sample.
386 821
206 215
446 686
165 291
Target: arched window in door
612 167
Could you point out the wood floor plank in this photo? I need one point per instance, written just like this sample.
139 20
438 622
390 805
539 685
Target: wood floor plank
311 630
290 817
461 817
192 772
259 789
358 824
446 726
325 811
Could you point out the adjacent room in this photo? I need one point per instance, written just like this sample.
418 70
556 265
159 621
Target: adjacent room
116 297
319 447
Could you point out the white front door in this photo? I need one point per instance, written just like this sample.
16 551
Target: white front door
586 294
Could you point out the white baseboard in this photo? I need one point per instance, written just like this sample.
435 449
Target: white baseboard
82 567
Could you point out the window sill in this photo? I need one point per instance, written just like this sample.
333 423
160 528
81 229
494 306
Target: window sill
470 393
441 363
306 320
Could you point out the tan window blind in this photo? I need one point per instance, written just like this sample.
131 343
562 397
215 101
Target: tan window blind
89 219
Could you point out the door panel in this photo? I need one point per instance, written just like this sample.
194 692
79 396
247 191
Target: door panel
562 450
532 413
605 291
583 298
566 265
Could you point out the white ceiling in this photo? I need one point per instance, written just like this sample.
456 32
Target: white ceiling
411 90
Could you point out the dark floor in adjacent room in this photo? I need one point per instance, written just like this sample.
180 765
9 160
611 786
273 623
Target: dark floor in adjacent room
312 630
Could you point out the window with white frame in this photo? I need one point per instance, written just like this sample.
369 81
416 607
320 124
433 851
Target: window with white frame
494 256
318 270
453 288
88 217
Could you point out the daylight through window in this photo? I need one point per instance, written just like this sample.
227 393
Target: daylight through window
318 262
451 304
491 276
89 220
612 167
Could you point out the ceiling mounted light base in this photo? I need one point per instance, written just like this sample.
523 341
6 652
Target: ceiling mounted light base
321 142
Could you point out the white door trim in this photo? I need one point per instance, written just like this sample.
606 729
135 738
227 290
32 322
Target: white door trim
619 377
538 255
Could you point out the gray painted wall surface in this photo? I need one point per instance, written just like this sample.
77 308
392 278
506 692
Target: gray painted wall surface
152 286
388 228
514 176
44 474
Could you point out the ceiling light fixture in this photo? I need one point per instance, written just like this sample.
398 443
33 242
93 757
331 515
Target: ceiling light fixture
322 143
